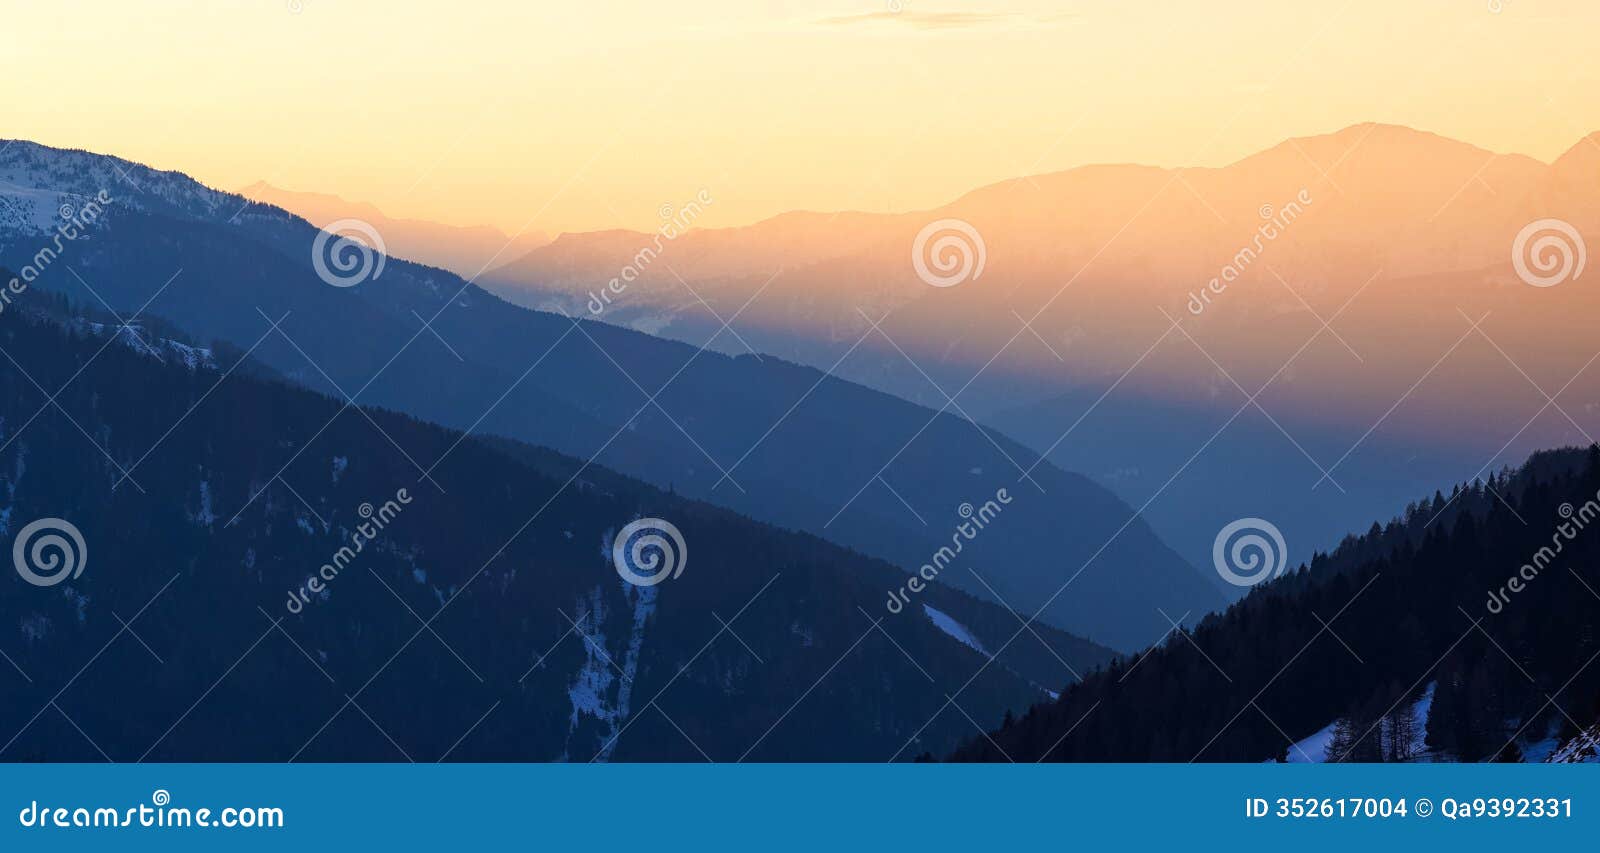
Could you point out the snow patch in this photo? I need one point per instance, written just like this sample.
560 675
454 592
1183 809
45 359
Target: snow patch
599 690
204 516
1582 749
163 350
80 602
1314 749
34 627
943 622
807 637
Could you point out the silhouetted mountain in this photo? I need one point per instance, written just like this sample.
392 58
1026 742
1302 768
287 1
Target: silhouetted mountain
778 442
464 250
1397 239
473 616
1129 238
1174 454
1482 605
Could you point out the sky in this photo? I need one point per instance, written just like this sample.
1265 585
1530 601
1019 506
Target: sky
582 116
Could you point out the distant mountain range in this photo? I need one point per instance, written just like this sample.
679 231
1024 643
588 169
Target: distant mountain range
466 251
778 442
1095 313
212 384
481 620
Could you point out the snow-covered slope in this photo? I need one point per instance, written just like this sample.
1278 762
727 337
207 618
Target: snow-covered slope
1582 749
232 263
164 350
36 182
955 629
1314 749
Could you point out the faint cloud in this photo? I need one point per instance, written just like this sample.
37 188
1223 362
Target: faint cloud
937 20
918 20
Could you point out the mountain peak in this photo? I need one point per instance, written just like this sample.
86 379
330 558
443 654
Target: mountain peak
1585 153
318 207
71 175
1370 135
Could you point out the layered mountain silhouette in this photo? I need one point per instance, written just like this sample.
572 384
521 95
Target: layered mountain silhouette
776 441
1463 630
208 383
1350 269
464 250
482 619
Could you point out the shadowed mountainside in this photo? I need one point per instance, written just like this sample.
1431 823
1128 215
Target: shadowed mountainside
775 441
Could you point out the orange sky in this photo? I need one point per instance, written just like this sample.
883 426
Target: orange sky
593 115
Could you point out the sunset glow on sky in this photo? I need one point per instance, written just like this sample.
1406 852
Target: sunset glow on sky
594 115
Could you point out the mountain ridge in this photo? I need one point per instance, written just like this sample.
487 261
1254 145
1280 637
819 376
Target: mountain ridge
662 411
216 434
467 250
1358 633
1341 264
